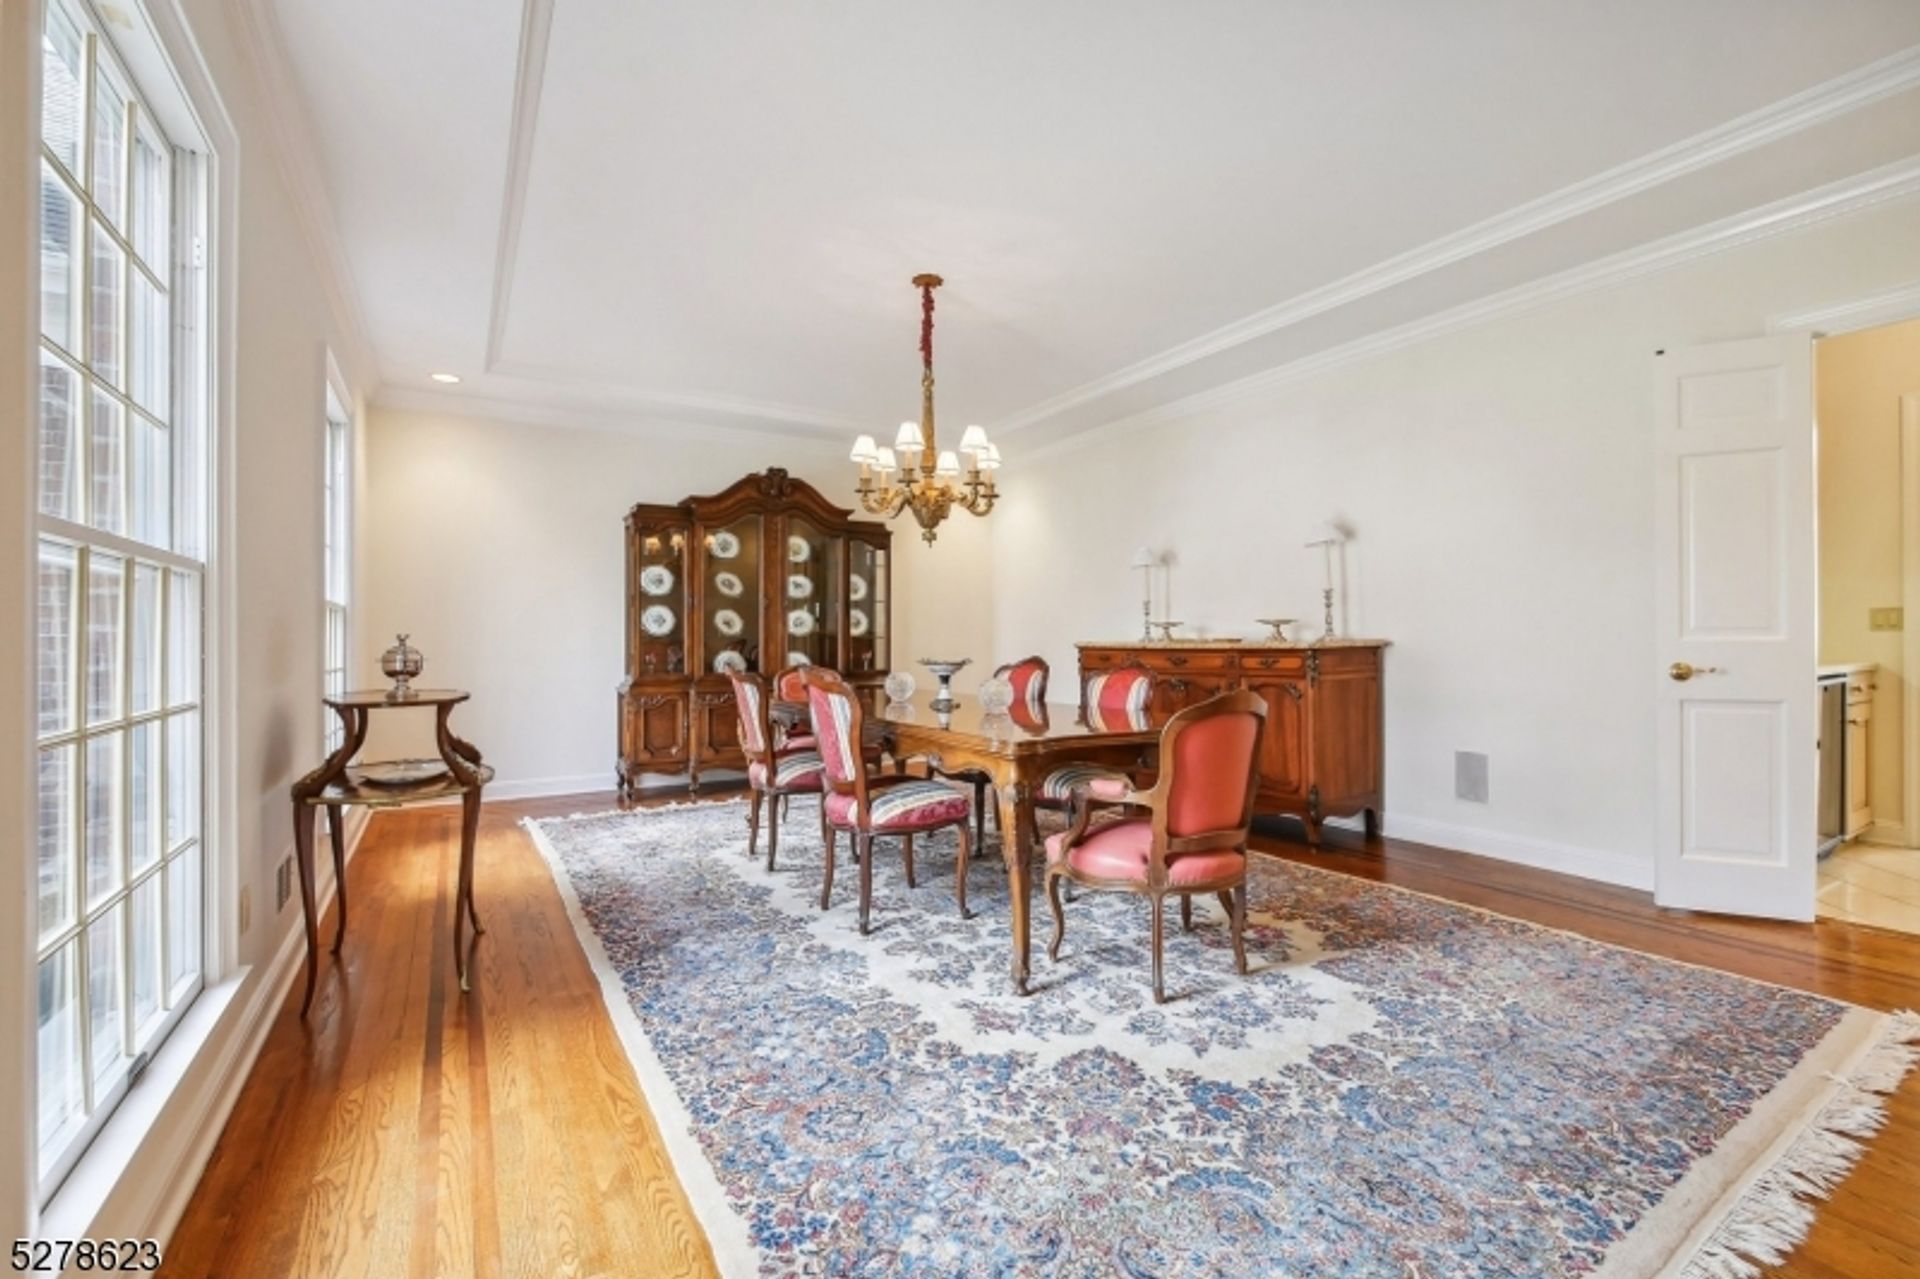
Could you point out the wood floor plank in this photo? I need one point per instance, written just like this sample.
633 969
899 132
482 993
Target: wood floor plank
406 1129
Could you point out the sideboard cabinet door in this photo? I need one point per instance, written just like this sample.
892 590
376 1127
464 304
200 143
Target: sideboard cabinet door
1283 746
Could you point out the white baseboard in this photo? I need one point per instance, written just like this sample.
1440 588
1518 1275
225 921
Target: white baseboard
595 783
200 1129
544 787
1587 863
1890 834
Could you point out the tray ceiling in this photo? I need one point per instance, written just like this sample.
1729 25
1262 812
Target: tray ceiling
711 212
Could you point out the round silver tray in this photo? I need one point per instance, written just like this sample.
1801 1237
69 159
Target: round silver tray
401 772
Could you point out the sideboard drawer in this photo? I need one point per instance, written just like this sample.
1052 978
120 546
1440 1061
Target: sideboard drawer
1176 661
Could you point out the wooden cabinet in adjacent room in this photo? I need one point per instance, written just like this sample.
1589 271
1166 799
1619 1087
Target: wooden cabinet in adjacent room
1322 754
764 575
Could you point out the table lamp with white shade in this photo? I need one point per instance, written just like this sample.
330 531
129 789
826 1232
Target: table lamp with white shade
1327 536
1144 559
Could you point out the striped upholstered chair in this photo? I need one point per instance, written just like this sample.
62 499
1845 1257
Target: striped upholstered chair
774 774
868 807
1188 834
1118 698
790 685
1028 676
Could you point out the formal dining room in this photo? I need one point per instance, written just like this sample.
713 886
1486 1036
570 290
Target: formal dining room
1247 639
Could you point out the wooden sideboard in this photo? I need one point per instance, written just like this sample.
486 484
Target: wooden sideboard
1322 753
764 575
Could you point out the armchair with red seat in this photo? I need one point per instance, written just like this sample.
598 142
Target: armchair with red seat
1192 836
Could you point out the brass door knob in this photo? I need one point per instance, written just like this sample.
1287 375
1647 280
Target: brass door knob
1681 672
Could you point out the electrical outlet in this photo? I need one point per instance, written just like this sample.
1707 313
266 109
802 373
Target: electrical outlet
283 883
1470 776
1886 619
246 909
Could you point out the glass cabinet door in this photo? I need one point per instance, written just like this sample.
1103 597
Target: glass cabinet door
811 596
661 563
730 596
869 648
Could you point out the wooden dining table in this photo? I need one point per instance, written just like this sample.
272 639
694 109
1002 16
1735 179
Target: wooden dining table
1017 750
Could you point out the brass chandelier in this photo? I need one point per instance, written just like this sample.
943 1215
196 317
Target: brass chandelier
914 474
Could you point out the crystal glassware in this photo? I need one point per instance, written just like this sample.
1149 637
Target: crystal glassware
944 671
996 695
401 664
900 686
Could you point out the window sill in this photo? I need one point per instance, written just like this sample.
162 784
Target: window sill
126 1184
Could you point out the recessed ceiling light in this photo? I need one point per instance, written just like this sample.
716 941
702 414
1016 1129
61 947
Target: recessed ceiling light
448 378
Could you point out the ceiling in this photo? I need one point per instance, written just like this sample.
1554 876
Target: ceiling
709 213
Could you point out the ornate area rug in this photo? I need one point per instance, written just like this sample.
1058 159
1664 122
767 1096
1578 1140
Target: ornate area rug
1403 1087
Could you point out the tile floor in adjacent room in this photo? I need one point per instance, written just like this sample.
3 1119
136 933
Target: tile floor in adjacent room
1870 884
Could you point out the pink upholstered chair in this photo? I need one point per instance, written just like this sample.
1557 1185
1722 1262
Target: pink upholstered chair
774 774
1120 698
1193 837
868 807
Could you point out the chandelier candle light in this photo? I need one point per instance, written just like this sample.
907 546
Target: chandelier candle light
915 474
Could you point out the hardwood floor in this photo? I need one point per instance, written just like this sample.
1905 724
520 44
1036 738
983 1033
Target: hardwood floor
404 1130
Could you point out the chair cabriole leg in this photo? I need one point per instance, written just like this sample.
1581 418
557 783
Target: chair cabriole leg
960 872
1240 928
863 846
1159 943
829 837
1059 916
775 811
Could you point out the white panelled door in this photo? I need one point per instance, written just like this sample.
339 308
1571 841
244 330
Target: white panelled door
1735 628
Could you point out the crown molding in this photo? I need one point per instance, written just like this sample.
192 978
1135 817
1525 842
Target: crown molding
295 145
614 397
1824 102
529 79
616 418
1889 307
1888 183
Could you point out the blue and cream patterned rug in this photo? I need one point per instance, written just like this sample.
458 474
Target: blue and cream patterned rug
1403 1087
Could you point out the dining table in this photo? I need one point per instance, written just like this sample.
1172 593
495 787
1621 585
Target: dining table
1017 749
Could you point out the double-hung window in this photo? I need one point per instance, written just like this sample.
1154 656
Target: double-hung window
338 561
122 471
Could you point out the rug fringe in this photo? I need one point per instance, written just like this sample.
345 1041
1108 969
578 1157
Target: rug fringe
1774 1215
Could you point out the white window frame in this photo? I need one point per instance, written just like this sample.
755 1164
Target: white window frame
144 61
336 567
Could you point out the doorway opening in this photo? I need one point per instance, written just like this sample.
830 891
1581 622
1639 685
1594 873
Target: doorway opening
1867 389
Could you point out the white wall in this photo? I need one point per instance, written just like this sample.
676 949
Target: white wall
498 547
1499 482
275 303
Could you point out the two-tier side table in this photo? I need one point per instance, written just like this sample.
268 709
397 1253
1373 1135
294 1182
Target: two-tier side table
458 772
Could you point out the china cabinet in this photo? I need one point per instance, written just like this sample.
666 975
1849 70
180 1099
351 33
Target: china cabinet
764 575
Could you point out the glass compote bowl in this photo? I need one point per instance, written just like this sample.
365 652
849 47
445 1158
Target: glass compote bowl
944 671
